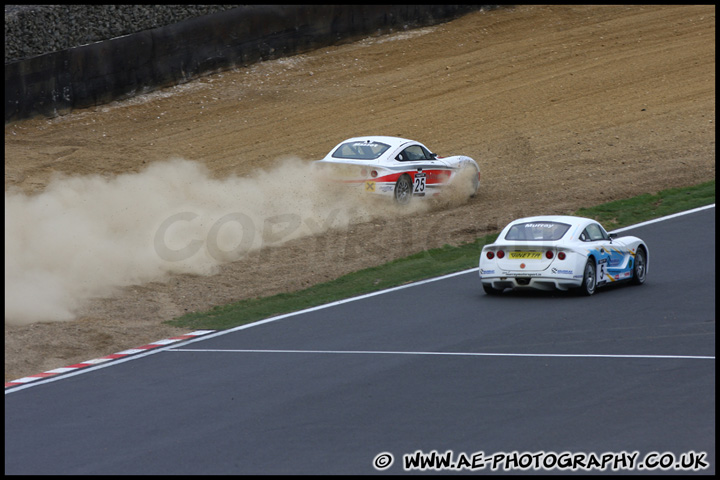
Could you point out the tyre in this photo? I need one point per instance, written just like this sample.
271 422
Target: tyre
491 290
640 267
589 282
403 190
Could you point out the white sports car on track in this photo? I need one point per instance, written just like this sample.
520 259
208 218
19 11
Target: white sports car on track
560 252
397 167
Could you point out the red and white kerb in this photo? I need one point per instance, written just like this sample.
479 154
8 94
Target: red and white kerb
114 356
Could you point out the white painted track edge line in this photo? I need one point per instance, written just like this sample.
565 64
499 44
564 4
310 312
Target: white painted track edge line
461 354
666 217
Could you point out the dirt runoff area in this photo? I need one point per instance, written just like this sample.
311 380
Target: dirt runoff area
562 107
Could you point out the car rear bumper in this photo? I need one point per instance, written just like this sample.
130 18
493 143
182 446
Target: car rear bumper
532 283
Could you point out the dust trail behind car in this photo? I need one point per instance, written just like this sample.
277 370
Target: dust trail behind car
84 237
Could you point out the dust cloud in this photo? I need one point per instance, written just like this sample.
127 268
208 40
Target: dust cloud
85 237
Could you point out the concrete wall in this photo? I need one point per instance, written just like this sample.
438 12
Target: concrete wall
101 71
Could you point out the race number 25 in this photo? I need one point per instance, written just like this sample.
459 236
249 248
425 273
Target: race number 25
419 185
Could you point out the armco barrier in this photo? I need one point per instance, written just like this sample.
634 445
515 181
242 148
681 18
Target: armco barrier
56 83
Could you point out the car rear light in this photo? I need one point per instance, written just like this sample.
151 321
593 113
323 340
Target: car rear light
373 173
490 255
549 255
363 172
500 254
561 255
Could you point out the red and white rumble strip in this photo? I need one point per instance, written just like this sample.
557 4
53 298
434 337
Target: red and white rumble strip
114 356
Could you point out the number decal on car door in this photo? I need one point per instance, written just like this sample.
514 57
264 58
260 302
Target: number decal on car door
419 184
602 271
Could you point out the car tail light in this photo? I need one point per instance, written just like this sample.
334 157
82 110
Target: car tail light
363 172
500 254
373 173
490 255
549 255
561 255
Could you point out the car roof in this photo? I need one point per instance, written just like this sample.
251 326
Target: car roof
392 141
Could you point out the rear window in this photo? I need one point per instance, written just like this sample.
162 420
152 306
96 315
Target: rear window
360 150
539 231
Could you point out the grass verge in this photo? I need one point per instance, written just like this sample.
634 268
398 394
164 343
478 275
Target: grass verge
434 263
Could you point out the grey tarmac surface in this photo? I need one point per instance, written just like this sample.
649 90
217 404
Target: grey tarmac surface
436 366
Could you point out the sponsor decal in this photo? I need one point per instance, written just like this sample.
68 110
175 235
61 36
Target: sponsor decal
539 225
433 177
486 272
529 255
562 272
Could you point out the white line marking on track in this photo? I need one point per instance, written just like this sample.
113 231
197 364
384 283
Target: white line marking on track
667 217
462 354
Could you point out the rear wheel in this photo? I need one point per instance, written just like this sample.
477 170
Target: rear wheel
640 267
403 190
589 284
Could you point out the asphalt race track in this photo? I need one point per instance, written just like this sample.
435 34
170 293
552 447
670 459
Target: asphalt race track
436 366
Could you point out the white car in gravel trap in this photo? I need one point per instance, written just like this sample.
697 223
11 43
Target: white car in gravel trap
398 168
561 252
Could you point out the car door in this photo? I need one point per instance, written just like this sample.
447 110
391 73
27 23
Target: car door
426 170
611 256
599 245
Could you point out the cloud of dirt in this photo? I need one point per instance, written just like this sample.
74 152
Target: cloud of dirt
84 237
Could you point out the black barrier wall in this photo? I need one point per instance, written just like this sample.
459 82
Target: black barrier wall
56 83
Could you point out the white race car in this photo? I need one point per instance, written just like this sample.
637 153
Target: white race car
561 252
397 167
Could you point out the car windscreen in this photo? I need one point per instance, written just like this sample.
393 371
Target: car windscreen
360 150
537 231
